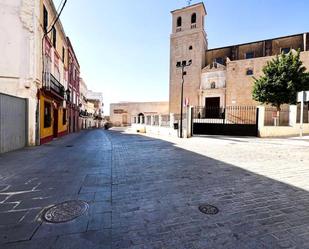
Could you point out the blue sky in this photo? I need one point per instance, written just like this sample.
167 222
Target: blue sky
123 46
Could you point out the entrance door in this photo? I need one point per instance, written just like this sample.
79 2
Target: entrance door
55 122
212 106
125 120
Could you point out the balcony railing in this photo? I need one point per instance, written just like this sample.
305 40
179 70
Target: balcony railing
84 113
53 85
56 86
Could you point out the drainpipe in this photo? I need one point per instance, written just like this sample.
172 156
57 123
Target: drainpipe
37 120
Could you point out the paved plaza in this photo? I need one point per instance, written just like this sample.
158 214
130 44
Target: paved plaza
144 193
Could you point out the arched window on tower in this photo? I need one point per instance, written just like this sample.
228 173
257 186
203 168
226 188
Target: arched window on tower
179 24
179 21
193 21
193 18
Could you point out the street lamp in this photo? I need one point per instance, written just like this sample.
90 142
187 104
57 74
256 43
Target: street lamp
182 65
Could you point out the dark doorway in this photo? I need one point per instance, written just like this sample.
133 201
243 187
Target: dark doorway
55 122
141 118
212 106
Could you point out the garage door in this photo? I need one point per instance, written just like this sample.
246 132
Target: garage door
13 130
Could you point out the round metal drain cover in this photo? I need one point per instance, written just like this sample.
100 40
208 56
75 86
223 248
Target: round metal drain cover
65 211
208 209
69 146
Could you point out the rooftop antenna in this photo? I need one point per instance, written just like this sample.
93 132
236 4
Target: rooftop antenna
189 2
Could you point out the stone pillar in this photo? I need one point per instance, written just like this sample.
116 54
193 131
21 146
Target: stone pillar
151 120
172 120
188 120
160 120
261 118
305 41
293 115
201 98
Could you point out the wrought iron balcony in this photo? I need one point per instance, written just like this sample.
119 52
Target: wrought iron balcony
53 85
84 113
56 86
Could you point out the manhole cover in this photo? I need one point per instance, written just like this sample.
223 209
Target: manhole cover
69 146
65 211
208 209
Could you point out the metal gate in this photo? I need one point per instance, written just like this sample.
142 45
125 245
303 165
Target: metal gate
230 120
13 123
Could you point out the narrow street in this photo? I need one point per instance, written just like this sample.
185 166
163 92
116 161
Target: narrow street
144 193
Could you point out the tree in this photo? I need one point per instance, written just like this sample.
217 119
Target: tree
283 77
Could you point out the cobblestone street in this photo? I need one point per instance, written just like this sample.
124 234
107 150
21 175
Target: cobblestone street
144 192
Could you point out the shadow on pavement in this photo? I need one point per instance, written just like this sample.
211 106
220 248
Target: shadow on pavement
144 193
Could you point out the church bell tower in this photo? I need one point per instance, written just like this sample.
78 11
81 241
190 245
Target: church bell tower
188 41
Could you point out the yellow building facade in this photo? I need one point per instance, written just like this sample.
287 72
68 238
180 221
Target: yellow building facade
53 94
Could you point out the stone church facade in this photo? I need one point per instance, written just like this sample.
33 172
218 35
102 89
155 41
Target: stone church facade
222 76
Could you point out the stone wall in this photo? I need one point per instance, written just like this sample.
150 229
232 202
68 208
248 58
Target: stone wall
239 85
292 129
259 49
121 114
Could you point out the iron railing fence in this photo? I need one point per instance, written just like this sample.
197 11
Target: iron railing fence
225 115
165 120
156 120
271 116
148 120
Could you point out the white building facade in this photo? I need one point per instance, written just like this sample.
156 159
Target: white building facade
20 67
95 107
